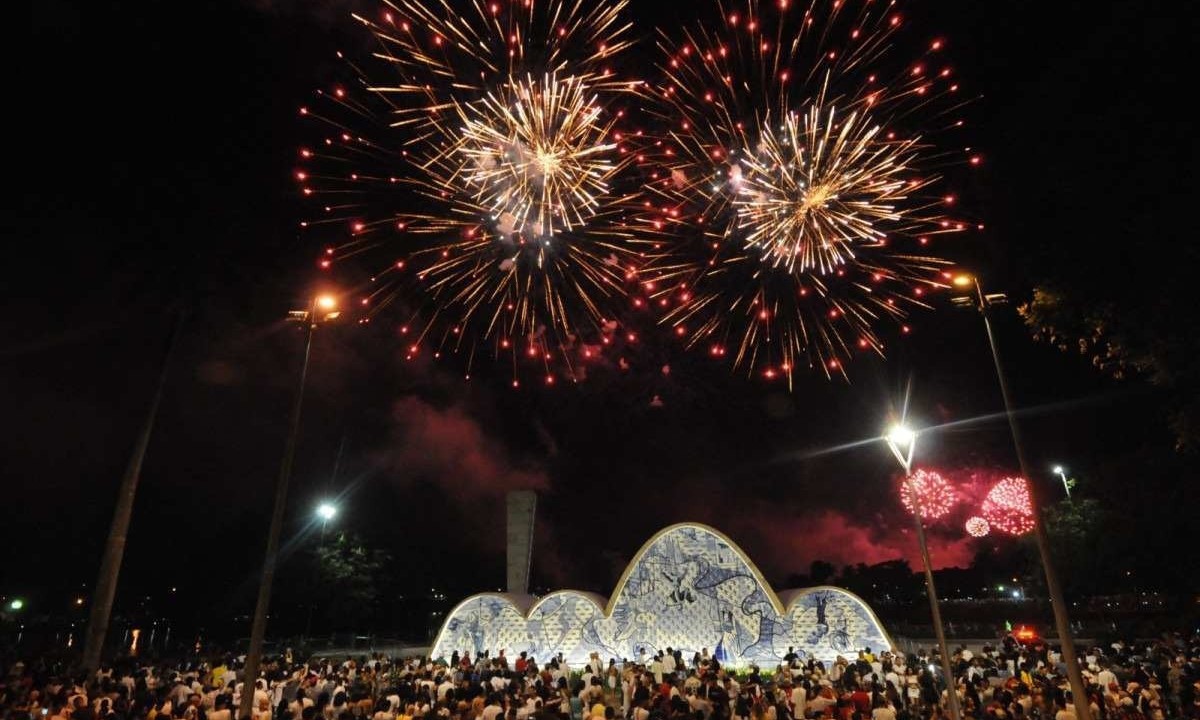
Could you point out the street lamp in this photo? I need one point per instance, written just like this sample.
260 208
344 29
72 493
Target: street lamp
902 441
980 301
1062 473
322 308
326 512
16 604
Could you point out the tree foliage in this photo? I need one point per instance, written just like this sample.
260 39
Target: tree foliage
1154 335
350 577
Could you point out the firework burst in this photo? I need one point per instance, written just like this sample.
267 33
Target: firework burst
477 158
1007 507
977 527
794 189
929 491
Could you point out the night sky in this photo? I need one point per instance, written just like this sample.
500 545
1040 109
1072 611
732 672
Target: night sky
155 148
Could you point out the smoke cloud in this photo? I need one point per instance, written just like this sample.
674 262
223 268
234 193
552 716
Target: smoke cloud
450 449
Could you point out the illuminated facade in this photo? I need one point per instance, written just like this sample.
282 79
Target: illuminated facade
689 588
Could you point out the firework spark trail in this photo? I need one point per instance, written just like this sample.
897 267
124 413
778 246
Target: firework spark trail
794 189
480 151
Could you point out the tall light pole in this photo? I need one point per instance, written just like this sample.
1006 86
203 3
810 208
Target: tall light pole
325 512
902 441
118 531
981 301
321 309
1062 473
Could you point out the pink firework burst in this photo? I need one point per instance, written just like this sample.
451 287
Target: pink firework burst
977 527
1008 508
929 491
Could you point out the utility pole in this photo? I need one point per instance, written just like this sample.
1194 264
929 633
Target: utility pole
114 549
324 306
1062 622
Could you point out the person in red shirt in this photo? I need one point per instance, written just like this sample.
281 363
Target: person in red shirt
862 700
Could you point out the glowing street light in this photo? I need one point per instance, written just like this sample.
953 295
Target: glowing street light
16 604
1060 471
322 308
980 301
902 441
326 511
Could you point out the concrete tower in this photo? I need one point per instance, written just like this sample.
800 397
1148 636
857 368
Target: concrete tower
522 505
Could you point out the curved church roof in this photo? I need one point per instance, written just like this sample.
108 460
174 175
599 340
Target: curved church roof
690 588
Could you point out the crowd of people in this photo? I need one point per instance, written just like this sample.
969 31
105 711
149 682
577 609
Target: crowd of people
1006 681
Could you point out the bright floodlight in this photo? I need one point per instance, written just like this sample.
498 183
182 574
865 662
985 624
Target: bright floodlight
326 511
901 436
326 302
16 604
1058 470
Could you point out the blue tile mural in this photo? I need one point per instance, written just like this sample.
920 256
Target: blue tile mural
690 588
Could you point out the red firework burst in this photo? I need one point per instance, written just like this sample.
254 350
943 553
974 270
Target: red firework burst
1008 508
929 491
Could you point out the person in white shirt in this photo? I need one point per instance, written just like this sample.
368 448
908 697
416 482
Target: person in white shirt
798 699
531 705
261 695
220 711
1106 677
656 669
262 708
492 710
883 710
297 707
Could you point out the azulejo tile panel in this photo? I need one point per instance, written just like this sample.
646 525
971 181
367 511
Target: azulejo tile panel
689 588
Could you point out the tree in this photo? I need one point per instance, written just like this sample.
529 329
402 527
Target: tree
1079 532
349 575
1152 331
1099 219
821 572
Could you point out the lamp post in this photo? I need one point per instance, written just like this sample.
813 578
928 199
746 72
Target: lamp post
322 308
118 531
1062 473
902 441
326 512
981 301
